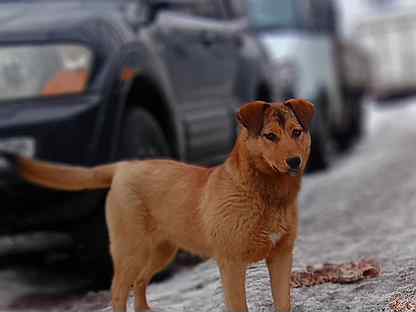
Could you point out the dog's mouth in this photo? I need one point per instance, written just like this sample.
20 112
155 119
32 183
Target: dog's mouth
291 172
275 169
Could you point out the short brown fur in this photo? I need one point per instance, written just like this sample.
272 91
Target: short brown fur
240 212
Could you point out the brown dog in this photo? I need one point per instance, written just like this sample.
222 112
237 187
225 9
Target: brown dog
241 212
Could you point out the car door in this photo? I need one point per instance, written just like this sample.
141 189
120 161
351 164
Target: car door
201 67
252 65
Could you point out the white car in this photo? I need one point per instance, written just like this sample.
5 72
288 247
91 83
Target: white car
310 61
387 33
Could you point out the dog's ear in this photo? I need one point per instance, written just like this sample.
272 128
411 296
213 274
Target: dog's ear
303 110
251 116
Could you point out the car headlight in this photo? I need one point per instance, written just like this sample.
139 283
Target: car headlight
47 70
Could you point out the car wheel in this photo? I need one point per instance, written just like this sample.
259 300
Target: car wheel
355 126
357 118
322 148
141 136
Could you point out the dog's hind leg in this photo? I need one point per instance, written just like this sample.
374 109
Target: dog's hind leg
129 247
158 259
126 269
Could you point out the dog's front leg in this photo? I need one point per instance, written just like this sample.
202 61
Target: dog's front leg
233 277
279 264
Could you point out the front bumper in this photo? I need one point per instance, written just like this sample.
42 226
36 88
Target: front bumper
63 130
8 174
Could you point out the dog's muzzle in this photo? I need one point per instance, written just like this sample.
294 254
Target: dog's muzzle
294 165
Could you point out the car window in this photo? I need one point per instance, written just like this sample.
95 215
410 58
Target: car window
317 15
268 14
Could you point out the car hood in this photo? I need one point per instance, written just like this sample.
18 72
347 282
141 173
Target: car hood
44 18
20 15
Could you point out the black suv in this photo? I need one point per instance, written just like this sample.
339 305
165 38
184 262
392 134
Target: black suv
91 82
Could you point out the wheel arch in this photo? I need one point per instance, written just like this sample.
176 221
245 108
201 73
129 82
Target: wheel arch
145 93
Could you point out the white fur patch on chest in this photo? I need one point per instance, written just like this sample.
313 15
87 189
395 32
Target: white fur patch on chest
275 237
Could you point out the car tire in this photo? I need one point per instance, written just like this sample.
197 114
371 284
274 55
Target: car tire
355 126
322 149
357 117
141 136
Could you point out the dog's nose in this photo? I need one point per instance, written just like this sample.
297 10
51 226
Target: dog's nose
294 162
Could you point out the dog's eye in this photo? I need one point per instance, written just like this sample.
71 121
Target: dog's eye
296 133
271 136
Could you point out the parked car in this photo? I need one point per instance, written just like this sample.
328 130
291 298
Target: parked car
311 61
387 33
92 82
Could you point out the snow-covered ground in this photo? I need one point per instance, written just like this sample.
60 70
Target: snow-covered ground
364 207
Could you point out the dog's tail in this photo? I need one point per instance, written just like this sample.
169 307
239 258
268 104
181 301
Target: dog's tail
65 177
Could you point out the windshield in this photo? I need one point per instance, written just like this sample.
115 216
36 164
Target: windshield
265 14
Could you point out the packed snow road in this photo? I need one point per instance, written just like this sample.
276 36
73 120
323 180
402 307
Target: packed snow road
364 207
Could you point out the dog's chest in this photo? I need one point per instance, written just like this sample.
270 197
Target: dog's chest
260 242
257 246
275 225
251 231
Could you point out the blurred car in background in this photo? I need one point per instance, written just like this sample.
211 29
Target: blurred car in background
387 33
91 82
310 61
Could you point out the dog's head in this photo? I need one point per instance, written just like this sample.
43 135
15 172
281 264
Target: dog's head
277 135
